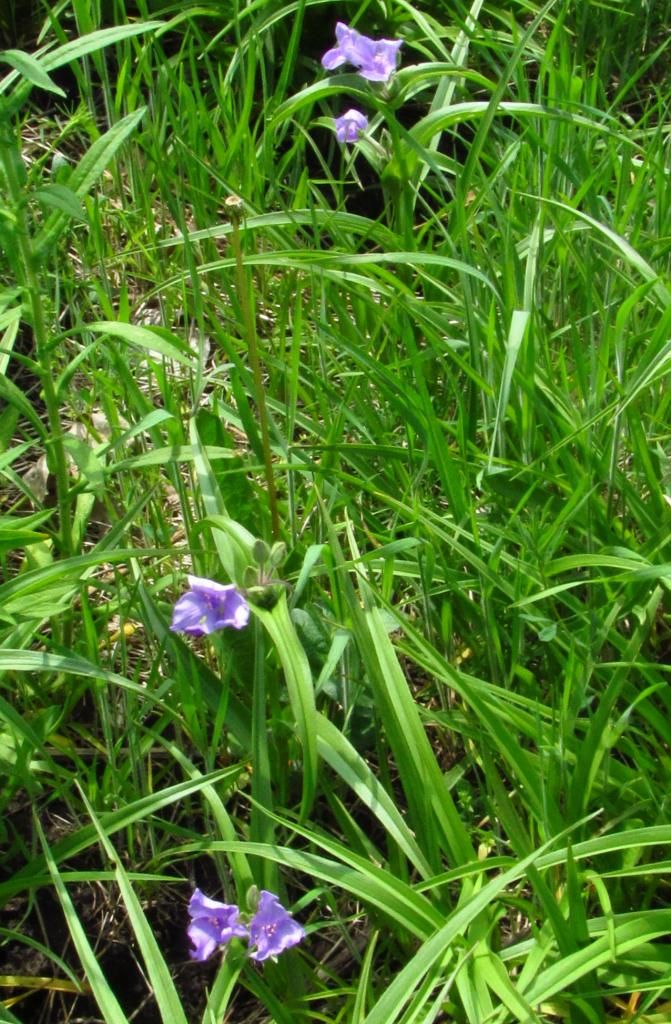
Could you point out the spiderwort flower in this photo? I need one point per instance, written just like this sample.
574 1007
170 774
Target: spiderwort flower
212 924
272 929
207 606
378 58
374 59
348 126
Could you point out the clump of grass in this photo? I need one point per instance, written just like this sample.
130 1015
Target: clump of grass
443 737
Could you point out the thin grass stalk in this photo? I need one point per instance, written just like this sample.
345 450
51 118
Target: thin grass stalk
234 207
261 826
26 272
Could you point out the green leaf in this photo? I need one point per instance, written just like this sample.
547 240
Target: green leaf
33 873
7 1017
154 340
12 538
233 541
162 984
434 815
339 753
627 937
72 570
376 886
87 462
300 688
389 1006
516 333
15 397
60 197
95 41
86 173
31 69
104 996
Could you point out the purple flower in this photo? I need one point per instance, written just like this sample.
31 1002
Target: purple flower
378 58
349 125
272 929
207 606
212 925
374 59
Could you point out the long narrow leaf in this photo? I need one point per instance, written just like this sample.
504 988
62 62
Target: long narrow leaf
300 687
105 998
162 984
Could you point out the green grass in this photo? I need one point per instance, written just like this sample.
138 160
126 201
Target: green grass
444 737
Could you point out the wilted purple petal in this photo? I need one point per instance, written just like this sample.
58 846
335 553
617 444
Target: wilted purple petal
207 606
212 925
272 929
349 125
374 59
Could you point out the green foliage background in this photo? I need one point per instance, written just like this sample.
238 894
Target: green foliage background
444 738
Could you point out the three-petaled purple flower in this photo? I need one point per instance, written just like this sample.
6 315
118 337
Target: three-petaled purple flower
212 925
207 606
349 125
374 59
271 930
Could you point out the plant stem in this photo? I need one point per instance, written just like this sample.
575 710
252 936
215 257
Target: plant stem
400 189
234 208
26 271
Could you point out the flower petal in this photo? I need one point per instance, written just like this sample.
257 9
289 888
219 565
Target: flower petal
204 937
333 59
188 614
